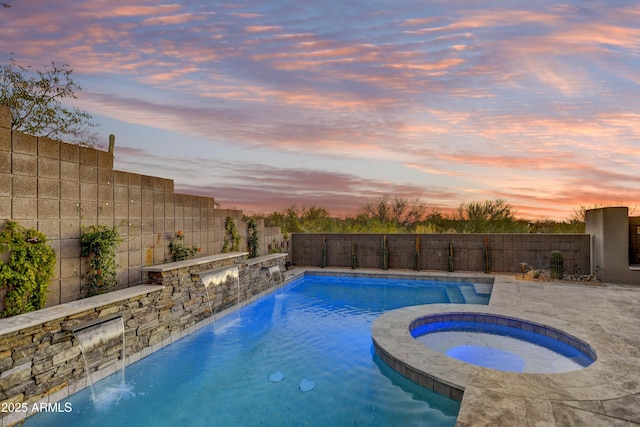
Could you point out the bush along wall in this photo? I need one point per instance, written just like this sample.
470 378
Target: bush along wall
27 273
99 243
232 237
253 237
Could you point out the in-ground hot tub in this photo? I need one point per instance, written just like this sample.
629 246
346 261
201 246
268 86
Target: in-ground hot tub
502 343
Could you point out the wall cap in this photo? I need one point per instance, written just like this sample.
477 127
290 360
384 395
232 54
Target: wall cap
39 317
159 268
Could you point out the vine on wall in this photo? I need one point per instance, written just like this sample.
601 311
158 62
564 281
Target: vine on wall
99 243
27 273
253 237
232 237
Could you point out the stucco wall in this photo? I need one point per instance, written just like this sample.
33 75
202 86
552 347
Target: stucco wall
610 228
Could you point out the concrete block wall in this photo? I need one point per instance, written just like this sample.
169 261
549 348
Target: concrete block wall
507 251
60 188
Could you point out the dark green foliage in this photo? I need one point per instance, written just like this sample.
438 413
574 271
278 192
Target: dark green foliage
179 250
253 237
232 236
27 273
450 264
99 243
557 265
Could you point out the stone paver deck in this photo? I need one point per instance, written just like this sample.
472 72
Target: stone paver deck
606 393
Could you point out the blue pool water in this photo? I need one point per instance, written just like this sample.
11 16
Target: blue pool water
249 369
501 347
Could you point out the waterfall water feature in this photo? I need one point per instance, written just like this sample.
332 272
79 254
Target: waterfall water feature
272 270
218 277
97 338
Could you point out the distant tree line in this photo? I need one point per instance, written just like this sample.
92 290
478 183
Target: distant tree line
398 215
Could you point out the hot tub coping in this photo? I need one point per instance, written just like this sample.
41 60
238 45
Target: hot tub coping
395 345
512 322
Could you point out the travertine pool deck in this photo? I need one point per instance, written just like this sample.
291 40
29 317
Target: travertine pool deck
606 393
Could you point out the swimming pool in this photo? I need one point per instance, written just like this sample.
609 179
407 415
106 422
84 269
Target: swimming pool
513 345
316 330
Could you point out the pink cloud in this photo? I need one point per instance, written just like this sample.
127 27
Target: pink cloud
495 97
262 28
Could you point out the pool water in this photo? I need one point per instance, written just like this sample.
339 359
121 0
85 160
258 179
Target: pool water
501 347
250 368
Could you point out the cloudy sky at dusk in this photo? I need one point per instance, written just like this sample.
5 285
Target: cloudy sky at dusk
266 103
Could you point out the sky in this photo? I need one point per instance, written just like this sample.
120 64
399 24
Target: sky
263 104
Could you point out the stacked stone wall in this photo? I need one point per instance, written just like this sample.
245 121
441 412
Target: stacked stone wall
41 361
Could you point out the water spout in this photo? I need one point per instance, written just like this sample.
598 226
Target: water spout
272 271
219 276
216 278
93 337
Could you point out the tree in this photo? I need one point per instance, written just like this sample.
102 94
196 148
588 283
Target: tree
35 99
295 219
397 211
490 216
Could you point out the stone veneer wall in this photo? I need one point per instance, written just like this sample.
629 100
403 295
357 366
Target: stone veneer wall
41 362
183 277
58 188
507 251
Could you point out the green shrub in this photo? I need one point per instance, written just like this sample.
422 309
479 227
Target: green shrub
232 237
179 250
28 272
99 243
253 239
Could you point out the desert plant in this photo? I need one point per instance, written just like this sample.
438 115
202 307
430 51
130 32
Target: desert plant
556 265
486 251
27 273
450 259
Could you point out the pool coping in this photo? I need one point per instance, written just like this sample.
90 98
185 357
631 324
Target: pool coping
599 394
513 323
605 317
393 342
